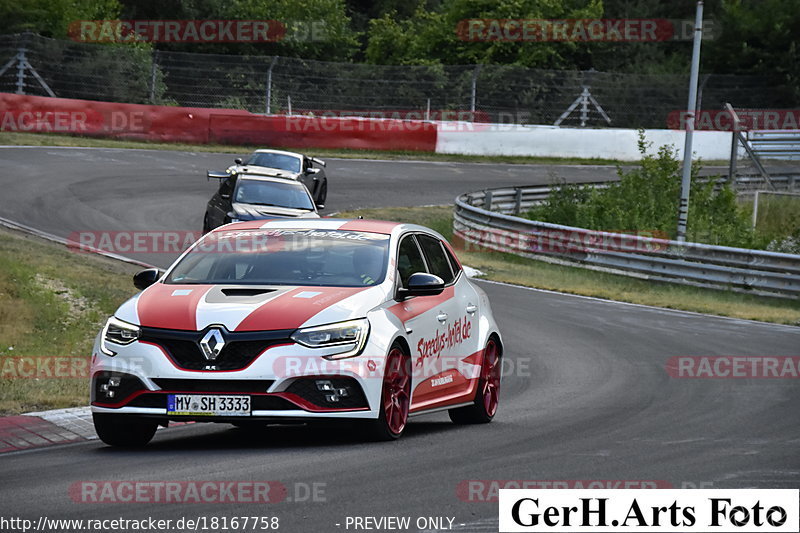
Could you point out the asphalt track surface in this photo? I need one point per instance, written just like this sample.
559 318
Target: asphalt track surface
585 395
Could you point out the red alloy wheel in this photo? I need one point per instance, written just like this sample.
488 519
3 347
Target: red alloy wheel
490 377
396 392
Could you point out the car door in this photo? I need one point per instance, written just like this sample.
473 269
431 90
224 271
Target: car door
416 313
448 376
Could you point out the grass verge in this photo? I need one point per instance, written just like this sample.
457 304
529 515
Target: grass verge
52 304
512 269
51 139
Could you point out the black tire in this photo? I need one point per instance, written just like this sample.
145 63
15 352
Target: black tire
383 429
482 411
124 431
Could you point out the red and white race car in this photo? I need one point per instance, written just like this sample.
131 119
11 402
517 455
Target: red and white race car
299 320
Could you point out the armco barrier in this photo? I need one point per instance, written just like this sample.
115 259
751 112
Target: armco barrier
200 125
323 132
481 218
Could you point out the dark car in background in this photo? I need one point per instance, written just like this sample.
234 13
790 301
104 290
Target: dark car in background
309 171
253 196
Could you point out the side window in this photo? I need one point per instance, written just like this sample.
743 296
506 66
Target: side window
409 259
437 260
453 261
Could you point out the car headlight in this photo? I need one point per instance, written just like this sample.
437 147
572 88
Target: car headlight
118 332
350 336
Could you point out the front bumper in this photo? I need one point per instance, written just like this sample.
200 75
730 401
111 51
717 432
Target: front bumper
281 377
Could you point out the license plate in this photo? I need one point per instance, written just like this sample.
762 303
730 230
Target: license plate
208 405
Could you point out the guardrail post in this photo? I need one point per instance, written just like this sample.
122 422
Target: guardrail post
517 200
487 200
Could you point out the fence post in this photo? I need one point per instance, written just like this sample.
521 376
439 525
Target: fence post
21 70
153 67
289 103
734 143
474 93
268 103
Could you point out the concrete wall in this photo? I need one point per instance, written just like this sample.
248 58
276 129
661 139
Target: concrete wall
551 141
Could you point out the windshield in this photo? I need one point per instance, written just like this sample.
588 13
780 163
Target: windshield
287 194
327 258
281 161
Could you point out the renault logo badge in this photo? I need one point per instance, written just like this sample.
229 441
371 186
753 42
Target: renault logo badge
212 344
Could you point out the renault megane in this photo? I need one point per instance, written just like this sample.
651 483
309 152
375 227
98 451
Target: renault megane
357 321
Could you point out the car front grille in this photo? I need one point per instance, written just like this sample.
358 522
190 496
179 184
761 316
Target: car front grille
240 349
234 386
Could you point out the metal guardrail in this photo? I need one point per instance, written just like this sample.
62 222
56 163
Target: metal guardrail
486 219
775 144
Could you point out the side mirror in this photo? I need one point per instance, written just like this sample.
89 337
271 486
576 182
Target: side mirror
238 160
217 175
422 284
320 162
312 171
145 278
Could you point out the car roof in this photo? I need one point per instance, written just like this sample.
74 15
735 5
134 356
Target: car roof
369 226
270 151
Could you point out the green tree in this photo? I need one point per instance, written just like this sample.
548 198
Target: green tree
759 37
316 29
52 18
432 35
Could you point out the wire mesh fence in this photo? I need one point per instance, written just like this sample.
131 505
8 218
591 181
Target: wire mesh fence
271 84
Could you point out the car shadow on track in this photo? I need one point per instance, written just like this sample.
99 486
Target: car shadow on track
199 437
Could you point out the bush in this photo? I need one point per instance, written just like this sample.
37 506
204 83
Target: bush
646 199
